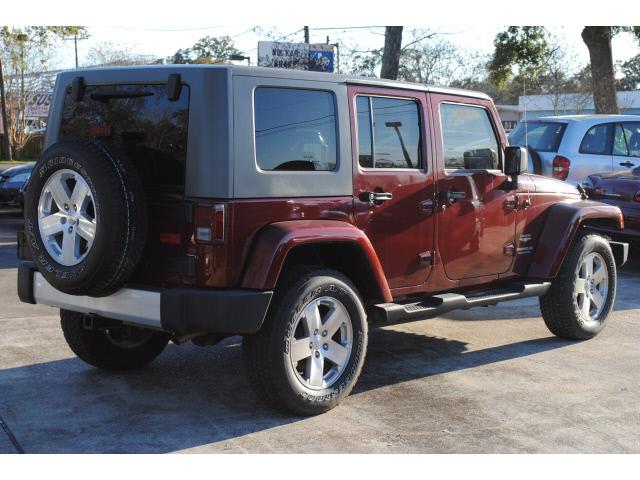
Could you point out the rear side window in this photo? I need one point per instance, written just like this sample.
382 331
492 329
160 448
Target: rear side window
139 120
597 140
632 136
388 132
295 130
468 139
619 142
541 136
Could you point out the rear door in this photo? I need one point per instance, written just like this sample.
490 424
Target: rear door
626 146
594 152
393 180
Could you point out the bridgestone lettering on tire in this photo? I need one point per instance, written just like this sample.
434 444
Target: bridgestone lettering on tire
309 353
582 294
85 217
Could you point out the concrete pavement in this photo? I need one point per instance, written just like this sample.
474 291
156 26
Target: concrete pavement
483 380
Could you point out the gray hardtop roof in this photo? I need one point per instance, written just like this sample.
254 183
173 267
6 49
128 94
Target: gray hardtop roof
273 73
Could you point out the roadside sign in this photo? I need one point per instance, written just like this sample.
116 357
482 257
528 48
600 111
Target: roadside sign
315 57
38 105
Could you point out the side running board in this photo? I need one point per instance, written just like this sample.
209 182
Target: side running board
438 304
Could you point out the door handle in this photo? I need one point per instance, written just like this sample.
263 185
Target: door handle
627 164
449 197
376 198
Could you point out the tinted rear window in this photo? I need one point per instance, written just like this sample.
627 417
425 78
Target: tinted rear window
541 136
295 129
139 120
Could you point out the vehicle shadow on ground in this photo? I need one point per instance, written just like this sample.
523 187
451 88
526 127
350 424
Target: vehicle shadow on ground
192 396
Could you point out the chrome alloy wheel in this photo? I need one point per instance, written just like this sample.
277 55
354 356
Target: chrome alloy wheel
67 217
592 286
320 343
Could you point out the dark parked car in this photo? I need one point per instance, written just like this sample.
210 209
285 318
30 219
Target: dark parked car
296 209
621 189
13 183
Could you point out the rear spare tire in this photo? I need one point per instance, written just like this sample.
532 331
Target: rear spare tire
85 217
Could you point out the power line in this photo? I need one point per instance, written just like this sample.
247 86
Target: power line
166 29
348 28
277 40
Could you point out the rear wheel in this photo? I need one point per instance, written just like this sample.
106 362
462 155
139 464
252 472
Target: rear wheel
122 347
582 295
308 355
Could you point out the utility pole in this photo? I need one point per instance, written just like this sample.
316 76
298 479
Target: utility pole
306 34
75 44
6 148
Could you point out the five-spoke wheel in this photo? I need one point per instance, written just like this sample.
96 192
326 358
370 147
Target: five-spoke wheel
67 217
321 341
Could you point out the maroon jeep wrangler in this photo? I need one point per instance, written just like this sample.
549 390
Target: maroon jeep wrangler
295 209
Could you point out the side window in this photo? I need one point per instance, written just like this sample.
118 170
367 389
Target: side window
295 130
619 142
468 139
395 141
632 135
596 140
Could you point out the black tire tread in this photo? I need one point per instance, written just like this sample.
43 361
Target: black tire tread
558 313
258 349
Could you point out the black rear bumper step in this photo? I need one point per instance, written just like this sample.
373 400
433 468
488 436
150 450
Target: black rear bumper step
438 304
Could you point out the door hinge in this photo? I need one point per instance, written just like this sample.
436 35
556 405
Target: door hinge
427 259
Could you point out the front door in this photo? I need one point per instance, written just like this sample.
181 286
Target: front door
393 180
476 206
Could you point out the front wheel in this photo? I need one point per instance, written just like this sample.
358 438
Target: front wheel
582 295
309 353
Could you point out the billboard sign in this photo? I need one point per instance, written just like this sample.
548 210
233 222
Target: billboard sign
38 105
315 57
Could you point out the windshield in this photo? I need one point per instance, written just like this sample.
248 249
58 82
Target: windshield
541 136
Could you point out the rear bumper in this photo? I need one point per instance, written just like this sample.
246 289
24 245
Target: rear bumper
176 310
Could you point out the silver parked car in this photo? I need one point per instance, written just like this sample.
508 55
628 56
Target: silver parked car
570 147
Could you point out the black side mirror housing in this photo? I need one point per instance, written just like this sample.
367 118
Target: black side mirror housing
516 161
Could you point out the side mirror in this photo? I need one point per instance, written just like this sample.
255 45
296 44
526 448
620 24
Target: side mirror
516 161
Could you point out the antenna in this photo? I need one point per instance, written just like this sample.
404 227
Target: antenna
524 101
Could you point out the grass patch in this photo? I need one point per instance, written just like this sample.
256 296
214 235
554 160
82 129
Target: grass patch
16 162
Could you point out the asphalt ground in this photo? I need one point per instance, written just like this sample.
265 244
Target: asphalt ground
483 380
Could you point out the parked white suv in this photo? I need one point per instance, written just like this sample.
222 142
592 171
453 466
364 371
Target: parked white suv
571 147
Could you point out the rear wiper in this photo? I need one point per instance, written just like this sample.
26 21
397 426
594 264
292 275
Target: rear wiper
114 94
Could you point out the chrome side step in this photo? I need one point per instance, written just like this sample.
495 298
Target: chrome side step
438 304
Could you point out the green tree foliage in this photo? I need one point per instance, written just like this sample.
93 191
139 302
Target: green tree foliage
25 54
206 50
631 71
523 47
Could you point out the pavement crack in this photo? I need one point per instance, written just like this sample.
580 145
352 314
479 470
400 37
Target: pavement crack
11 436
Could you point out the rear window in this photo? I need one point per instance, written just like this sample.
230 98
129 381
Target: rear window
295 129
541 136
139 120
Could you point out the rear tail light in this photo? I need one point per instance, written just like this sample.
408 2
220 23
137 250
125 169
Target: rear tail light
636 196
561 167
210 220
